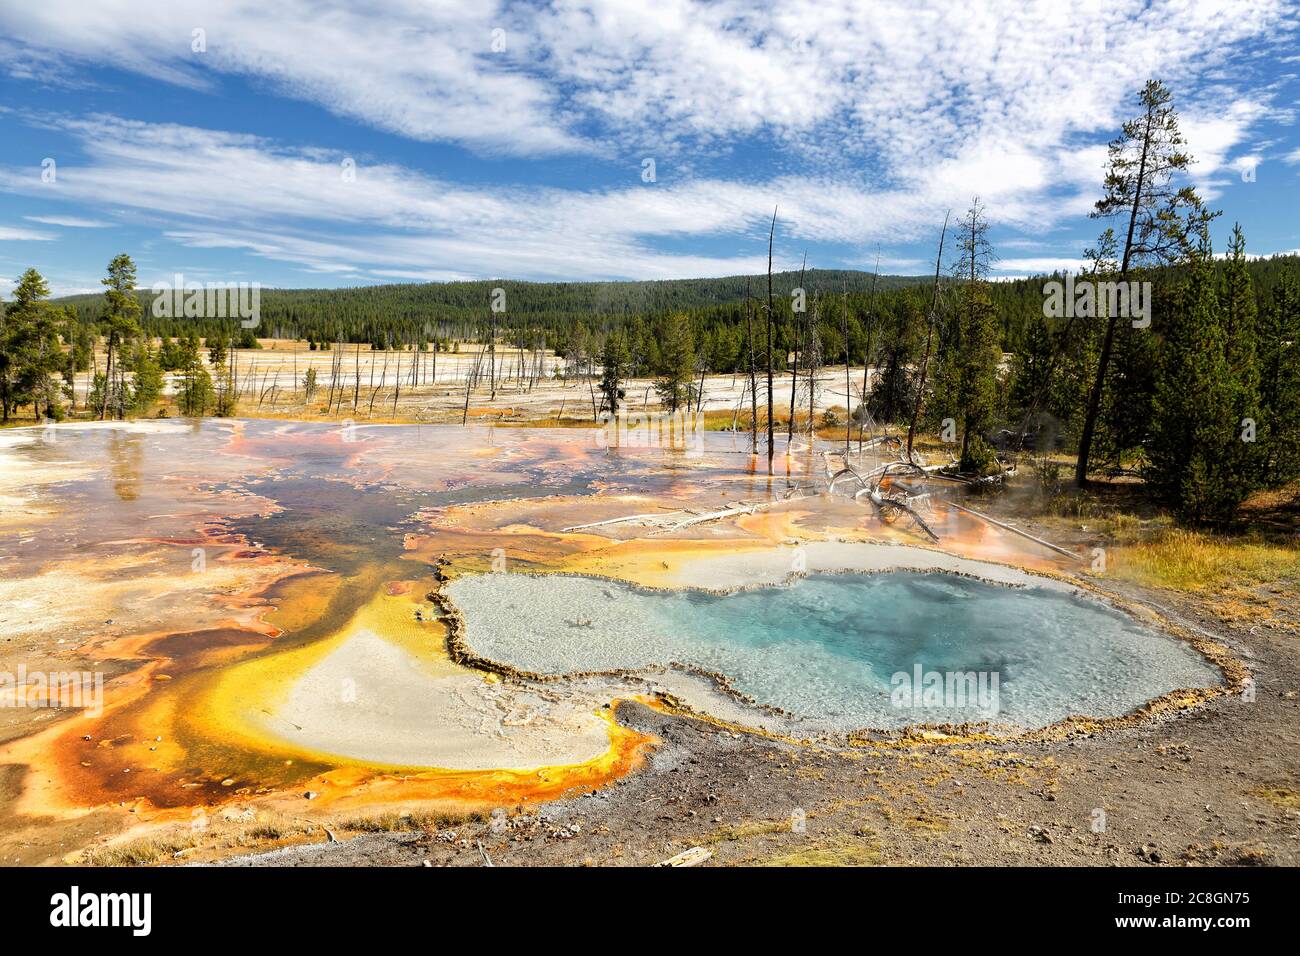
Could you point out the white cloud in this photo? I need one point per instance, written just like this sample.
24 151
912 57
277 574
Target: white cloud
215 189
865 121
1041 265
890 264
20 234
69 222
212 189
1212 137
904 80
421 69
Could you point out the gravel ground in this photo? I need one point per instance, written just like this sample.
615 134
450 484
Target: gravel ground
1219 785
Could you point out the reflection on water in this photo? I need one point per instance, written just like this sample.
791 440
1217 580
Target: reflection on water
829 647
308 530
125 463
300 527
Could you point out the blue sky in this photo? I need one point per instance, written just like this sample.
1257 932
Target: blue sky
511 140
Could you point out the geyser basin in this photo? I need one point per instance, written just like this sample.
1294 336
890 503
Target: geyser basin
846 651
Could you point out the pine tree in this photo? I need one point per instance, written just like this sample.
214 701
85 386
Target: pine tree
966 383
893 390
119 325
146 379
1031 367
169 358
1125 419
1162 222
1240 319
195 394
978 392
674 383
614 361
13 343
1193 462
1279 384
217 348
30 351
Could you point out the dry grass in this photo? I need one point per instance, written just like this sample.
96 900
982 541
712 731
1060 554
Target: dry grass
219 837
1193 561
842 851
138 852
1280 796
165 847
399 822
749 830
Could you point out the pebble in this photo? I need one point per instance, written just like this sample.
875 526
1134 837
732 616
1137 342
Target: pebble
1149 853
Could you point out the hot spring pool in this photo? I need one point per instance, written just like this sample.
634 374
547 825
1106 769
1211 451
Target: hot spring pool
846 651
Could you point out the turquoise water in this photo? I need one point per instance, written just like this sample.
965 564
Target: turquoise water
842 651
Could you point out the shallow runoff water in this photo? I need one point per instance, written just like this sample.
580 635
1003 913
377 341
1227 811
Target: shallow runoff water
846 651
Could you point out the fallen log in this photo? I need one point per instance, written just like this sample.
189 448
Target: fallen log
1014 530
608 521
716 515
882 503
692 857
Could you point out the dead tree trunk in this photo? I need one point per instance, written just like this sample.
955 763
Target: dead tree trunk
813 343
871 316
492 359
397 381
929 337
356 376
470 375
771 447
753 375
848 384
794 368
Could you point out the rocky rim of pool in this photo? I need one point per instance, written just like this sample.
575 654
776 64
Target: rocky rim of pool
852 642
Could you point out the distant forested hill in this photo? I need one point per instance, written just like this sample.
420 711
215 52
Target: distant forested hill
575 316
455 309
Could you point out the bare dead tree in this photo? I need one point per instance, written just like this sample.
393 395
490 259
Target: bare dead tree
356 376
929 339
334 372
871 318
492 358
794 368
470 376
397 379
848 385
771 447
753 374
813 343
383 379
